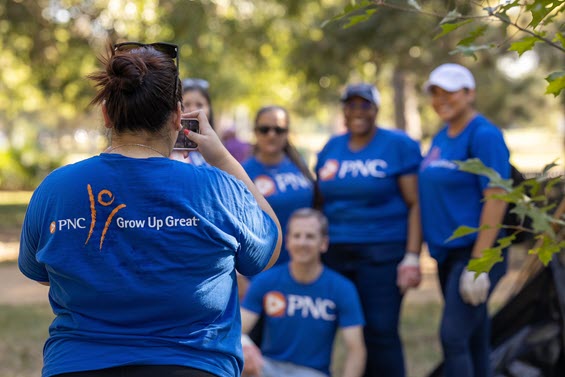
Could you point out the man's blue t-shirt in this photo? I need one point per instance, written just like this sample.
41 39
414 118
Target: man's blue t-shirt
360 191
301 320
141 256
449 197
286 189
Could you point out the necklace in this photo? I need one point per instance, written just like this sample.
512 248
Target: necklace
110 150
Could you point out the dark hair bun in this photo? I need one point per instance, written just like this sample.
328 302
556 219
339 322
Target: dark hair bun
127 72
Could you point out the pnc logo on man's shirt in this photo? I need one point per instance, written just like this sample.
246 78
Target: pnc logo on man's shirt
352 168
276 304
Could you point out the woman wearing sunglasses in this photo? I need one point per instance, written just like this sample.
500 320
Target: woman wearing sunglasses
140 251
277 169
367 181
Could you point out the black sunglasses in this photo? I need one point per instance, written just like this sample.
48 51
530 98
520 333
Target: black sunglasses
265 129
169 49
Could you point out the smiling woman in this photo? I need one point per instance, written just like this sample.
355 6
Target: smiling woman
368 190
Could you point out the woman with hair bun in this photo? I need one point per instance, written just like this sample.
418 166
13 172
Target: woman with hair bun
141 251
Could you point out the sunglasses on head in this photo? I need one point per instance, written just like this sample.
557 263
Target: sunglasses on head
265 129
169 49
193 82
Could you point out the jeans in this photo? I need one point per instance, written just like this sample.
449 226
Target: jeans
373 271
465 329
142 371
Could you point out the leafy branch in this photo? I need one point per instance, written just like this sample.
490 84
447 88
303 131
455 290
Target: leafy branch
542 14
530 200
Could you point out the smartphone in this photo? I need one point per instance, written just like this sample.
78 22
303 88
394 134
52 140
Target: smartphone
183 143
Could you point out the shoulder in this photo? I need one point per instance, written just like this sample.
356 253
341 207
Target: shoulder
338 280
251 162
336 140
485 128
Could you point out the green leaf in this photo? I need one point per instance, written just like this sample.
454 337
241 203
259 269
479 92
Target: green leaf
547 249
449 27
475 166
556 82
354 20
540 9
463 231
450 17
523 45
490 257
471 50
473 35
348 11
414 4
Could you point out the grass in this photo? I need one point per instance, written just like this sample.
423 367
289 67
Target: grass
13 205
23 330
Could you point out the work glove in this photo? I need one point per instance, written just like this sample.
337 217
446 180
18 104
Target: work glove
408 272
252 358
474 291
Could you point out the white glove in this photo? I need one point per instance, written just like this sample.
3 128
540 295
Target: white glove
408 272
474 291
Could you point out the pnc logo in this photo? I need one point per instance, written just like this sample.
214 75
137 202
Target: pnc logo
52 227
265 185
274 304
329 170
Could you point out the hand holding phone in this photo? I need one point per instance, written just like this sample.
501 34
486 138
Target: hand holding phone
183 143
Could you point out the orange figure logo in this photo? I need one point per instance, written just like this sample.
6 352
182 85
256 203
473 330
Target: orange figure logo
53 227
105 198
329 170
265 185
274 304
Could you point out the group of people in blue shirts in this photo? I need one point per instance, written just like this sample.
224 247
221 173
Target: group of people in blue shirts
141 251
382 200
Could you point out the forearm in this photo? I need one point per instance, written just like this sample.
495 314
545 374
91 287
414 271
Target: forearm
414 236
354 365
491 217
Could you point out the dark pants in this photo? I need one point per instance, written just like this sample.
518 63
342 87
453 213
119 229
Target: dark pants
465 329
142 371
381 299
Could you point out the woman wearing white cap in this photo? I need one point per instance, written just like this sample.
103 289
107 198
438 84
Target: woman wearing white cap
367 181
450 198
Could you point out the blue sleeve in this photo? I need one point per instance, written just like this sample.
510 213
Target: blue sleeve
256 232
253 300
411 157
29 244
350 311
488 145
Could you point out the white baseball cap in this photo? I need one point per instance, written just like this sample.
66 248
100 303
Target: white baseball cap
450 77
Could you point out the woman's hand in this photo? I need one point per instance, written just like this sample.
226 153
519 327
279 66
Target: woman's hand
209 144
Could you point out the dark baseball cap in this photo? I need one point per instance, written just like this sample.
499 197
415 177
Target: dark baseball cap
363 90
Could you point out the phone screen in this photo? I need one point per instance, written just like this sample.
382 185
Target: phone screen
183 143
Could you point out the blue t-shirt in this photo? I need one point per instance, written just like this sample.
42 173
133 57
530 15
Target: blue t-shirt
360 190
141 257
449 197
301 320
286 189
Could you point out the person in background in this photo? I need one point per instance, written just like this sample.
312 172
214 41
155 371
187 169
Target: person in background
277 169
368 187
451 198
141 251
195 96
238 148
304 304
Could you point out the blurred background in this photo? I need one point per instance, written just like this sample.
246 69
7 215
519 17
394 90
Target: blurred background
255 53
